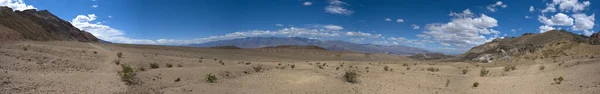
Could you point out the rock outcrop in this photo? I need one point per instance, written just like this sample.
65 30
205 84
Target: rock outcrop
38 26
595 39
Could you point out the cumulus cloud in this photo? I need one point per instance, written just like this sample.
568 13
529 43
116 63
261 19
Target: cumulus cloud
546 28
465 30
531 9
278 24
528 17
559 19
414 26
588 32
85 22
566 6
400 20
388 19
94 6
333 27
583 22
492 7
336 7
307 3
16 4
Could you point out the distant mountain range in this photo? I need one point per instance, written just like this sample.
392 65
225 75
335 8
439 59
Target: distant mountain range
260 42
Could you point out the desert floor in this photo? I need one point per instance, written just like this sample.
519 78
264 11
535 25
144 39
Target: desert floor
84 68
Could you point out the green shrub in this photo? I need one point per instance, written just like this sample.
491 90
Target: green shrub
127 74
559 80
476 84
211 78
154 65
351 76
432 69
120 54
483 72
510 67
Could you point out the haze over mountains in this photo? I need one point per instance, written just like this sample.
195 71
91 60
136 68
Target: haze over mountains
333 45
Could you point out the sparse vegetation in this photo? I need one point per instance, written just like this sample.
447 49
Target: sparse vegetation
177 80
210 78
407 68
432 69
24 48
199 61
169 65
293 66
320 67
142 69
95 52
367 67
179 65
404 64
118 61
120 54
447 82
542 67
464 71
257 68
248 63
386 68
476 84
483 72
351 76
337 68
558 80
509 68
154 65
127 74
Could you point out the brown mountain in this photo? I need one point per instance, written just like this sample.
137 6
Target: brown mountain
38 26
595 39
553 43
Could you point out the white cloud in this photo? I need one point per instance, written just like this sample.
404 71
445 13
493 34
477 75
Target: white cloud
85 22
278 24
333 27
16 4
531 9
492 7
388 19
546 28
110 16
583 22
464 30
513 30
414 26
588 32
307 3
400 20
566 6
559 19
94 6
528 17
336 7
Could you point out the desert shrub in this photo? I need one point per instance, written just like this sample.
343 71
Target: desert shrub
542 67
464 71
476 84
154 65
510 67
367 67
24 48
127 74
279 64
407 68
118 61
320 67
179 65
199 61
483 72
337 68
215 59
386 68
257 68
558 80
120 54
142 69
177 80
293 66
404 64
351 76
95 52
447 82
210 78
169 65
248 63
432 69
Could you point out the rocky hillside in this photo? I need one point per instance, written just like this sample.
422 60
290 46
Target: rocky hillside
430 56
530 46
38 26
260 42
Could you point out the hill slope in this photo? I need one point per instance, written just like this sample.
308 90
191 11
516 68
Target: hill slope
38 26
260 42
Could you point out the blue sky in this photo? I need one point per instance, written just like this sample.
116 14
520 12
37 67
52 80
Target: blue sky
448 26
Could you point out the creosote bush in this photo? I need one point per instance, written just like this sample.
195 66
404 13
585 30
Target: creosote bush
120 54
483 72
154 65
351 76
127 74
210 78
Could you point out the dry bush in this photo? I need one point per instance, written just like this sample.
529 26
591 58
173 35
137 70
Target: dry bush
476 84
257 68
542 67
483 72
337 68
120 54
432 69
210 78
404 64
510 67
351 76
179 65
447 82
386 68
407 68
177 80
24 48
127 75
293 66
142 69
95 52
169 65
464 71
558 80
118 61
154 65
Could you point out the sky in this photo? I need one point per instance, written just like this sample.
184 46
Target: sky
448 26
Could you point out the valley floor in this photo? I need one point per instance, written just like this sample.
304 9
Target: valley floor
75 67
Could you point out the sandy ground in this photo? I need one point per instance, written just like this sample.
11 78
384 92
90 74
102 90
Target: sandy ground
89 68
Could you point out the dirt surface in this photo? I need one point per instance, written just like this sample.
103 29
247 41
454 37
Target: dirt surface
90 68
